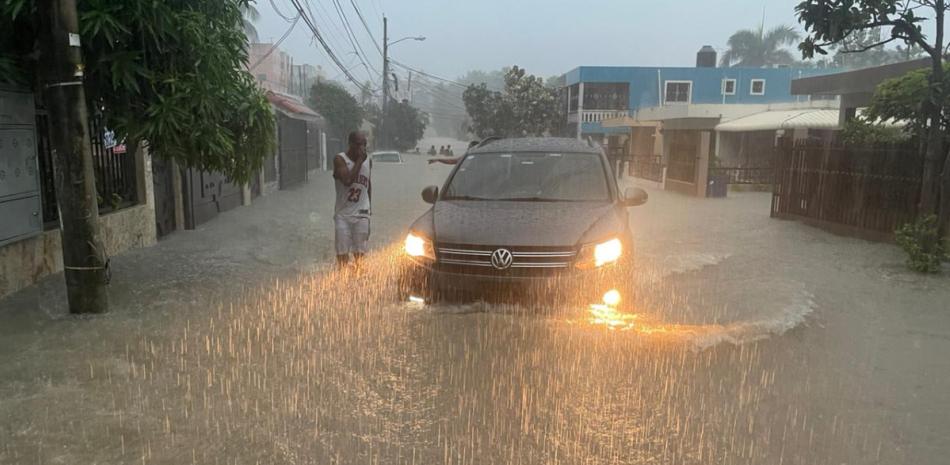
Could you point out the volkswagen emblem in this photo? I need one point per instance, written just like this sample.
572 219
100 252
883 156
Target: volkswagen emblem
501 259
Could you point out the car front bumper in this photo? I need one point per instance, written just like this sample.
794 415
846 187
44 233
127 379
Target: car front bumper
424 280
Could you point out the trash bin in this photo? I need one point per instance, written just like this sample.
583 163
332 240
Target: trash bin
718 186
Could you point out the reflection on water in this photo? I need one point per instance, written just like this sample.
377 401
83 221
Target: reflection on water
322 370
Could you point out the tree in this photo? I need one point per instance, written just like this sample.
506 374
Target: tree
171 73
756 49
342 111
249 16
526 107
829 22
406 125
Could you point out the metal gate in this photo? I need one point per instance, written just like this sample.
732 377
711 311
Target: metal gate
164 189
20 206
293 151
681 165
206 195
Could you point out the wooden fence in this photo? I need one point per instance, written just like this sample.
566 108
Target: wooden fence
862 191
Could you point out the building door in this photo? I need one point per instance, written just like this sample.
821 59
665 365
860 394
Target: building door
293 152
683 151
164 189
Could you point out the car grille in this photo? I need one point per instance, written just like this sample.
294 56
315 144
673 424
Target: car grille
526 261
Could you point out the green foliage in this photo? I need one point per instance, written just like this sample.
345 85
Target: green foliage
923 244
526 107
829 22
405 124
861 132
342 111
748 48
169 72
902 99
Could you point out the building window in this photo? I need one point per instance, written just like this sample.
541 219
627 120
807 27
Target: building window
757 87
678 91
728 87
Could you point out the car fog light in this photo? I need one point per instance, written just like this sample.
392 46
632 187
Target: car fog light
612 297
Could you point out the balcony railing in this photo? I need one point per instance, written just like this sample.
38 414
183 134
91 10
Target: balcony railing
595 116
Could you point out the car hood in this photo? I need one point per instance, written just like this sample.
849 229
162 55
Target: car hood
522 223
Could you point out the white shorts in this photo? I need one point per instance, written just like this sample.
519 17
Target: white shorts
352 234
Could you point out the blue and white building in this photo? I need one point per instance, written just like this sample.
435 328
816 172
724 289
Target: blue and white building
596 93
671 114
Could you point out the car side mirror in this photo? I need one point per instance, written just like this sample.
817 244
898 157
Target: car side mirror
429 194
634 196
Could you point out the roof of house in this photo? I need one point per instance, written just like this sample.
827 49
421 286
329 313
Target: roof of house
293 107
536 144
857 81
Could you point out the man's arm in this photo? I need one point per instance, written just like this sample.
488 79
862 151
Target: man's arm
344 174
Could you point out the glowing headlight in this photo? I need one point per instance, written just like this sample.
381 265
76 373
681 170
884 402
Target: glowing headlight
417 246
607 252
597 255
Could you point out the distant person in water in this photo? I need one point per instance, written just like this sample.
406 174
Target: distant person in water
432 151
454 160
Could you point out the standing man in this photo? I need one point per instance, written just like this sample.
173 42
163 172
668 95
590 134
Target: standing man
351 172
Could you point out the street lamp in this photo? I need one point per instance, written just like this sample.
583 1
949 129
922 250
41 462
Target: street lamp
419 38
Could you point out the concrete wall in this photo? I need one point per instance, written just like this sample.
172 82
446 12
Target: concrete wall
25 262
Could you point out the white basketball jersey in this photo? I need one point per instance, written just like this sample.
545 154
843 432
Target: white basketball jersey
353 200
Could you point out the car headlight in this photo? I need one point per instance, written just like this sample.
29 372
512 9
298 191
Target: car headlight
419 247
597 255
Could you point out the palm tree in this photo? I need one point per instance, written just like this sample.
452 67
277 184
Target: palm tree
756 49
250 16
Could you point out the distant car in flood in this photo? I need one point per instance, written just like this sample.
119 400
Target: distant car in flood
386 157
536 218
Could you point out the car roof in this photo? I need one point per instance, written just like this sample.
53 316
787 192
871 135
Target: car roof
536 144
385 152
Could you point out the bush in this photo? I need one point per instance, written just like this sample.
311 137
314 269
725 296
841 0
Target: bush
923 244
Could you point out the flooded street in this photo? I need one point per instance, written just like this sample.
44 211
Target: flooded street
750 341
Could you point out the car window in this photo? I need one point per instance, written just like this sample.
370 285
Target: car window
576 177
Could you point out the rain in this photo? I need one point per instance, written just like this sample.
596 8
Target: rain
743 334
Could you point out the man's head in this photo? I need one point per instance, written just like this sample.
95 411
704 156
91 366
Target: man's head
357 141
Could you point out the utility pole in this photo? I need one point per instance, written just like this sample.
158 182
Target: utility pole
382 142
409 87
84 259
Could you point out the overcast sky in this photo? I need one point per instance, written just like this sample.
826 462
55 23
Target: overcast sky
546 37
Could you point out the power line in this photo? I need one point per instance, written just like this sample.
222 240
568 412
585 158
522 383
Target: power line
352 37
366 26
332 32
326 47
276 44
456 83
277 10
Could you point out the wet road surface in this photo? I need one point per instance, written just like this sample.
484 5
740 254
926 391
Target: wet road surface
752 341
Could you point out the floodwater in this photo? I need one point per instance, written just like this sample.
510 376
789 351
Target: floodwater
751 341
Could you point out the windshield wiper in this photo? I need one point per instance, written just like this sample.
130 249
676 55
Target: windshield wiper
537 199
465 197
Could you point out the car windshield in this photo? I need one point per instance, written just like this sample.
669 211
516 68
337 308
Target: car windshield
530 176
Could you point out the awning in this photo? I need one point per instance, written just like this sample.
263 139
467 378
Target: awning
628 121
782 119
293 107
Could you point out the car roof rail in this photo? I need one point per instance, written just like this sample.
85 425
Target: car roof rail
488 139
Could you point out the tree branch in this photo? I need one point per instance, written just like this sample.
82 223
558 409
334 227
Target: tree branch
869 47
